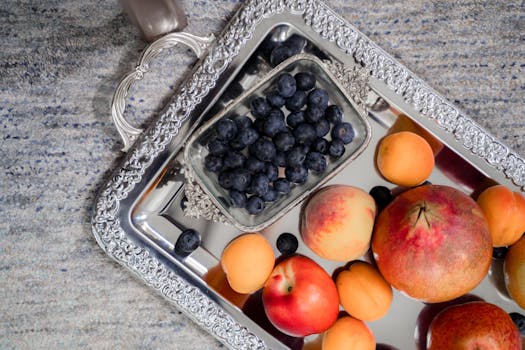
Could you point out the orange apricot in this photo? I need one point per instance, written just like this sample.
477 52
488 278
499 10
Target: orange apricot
404 158
363 292
514 268
349 333
248 261
404 123
217 280
505 213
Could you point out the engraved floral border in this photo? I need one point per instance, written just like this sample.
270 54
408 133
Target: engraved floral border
188 298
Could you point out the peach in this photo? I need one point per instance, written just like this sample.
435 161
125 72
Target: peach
349 333
514 268
505 213
363 292
404 158
248 260
337 222
404 123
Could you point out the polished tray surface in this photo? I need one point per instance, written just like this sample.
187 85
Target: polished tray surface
143 209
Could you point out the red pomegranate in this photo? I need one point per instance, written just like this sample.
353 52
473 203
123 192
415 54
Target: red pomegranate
432 243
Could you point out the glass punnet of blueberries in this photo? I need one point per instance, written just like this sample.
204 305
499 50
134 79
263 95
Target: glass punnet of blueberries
290 132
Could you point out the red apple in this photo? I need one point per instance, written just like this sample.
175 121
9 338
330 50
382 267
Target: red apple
473 326
300 298
433 243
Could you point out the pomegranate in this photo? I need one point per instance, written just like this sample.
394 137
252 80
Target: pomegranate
432 243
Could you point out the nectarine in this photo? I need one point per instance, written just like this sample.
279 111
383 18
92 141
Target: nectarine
337 222
505 212
471 326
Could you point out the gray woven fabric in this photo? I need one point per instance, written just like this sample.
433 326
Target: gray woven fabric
60 62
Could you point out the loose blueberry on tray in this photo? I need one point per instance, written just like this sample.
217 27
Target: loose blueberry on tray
287 243
188 241
290 132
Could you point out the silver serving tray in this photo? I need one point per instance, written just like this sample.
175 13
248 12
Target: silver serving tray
139 214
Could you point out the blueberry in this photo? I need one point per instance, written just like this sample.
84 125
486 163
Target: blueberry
217 147
238 199
382 196
519 321
280 53
305 81
320 145
271 171
225 180
336 148
233 91
499 253
255 165
282 185
322 127
284 141
297 101
260 107
213 163
258 125
276 113
255 205
295 156
334 114
280 159
316 162
233 160
243 122
241 179
236 144
304 133
263 149
286 85
188 241
273 125
226 129
313 114
344 132
318 97
270 196
247 136
296 43
275 100
287 243
260 184
295 118
297 174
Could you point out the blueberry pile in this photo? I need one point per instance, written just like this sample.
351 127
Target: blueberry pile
290 132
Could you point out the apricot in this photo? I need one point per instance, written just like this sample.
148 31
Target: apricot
217 280
363 292
514 268
404 123
349 333
247 261
505 213
404 158
337 222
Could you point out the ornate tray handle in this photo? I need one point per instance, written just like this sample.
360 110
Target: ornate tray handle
128 132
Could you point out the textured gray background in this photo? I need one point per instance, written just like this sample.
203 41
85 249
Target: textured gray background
59 65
